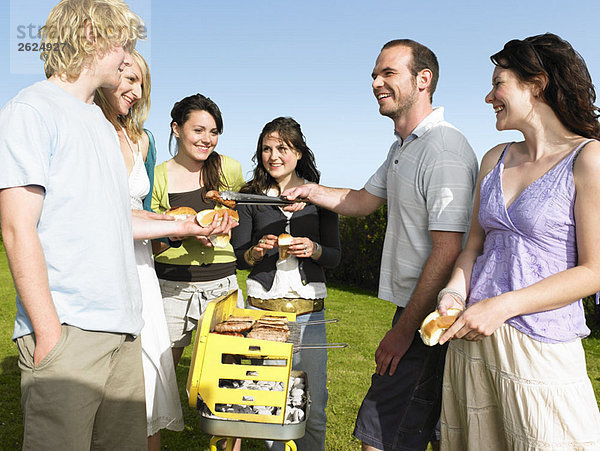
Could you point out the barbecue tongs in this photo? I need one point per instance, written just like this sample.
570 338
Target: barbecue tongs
257 199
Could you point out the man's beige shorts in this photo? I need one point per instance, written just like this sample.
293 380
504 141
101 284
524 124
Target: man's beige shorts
87 393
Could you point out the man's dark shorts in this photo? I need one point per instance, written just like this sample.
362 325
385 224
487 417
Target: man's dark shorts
400 412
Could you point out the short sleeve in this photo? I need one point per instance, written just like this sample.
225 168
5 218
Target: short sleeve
26 147
377 183
449 182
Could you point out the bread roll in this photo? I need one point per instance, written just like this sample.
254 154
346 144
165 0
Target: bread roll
206 218
219 240
434 325
284 241
180 213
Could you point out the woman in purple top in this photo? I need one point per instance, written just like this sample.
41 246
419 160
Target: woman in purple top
515 375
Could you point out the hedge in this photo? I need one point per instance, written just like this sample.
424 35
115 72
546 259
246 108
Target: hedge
362 244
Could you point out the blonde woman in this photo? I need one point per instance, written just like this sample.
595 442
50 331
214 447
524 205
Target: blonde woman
126 107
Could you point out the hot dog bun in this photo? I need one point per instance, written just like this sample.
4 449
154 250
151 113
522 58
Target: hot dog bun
206 218
283 241
180 213
434 325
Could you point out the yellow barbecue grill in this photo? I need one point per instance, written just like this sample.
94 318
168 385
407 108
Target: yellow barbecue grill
219 359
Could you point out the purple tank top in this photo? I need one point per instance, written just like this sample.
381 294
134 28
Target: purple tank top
533 239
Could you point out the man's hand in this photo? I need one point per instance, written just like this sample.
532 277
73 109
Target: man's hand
344 201
296 206
45 341
144 228
190 227
300 192
218 226
391 349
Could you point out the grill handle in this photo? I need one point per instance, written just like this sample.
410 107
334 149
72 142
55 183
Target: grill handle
320 346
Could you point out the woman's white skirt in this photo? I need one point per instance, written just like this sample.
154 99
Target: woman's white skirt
511 392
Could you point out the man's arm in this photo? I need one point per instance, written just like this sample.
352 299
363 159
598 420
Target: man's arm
436 271
146 227
20 210
344 201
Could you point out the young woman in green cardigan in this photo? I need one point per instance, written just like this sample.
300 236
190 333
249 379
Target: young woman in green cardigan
196 272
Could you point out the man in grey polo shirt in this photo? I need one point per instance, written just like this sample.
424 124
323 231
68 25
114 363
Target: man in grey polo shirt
428 180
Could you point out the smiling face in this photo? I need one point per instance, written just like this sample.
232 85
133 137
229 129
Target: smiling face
511 99
279 158
394 86
129 90
197 137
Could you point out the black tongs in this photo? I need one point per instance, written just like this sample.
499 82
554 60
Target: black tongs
256 199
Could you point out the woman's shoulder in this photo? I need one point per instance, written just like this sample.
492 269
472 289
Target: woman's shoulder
228 161
161 169
587 159
491 158
163 165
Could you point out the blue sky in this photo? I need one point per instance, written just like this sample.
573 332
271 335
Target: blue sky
312 60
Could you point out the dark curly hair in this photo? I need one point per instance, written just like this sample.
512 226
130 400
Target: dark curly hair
569 90
290 132
212 178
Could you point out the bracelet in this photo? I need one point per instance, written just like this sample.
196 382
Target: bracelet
457 295
317 252
250 258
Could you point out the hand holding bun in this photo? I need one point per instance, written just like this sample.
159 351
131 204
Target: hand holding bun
180 213
283 242
434 325
206 217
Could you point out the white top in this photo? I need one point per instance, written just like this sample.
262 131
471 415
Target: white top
429 181
287 282
139 183
54 140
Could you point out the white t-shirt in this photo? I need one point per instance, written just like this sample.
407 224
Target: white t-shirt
51 139
429 182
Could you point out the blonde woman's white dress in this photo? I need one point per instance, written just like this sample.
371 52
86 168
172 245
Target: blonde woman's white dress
163 407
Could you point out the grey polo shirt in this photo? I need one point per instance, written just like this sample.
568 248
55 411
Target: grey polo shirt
429 182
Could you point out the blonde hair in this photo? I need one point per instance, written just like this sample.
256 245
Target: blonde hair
133 122
66 50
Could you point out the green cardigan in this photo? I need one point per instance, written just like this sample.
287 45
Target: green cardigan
192 252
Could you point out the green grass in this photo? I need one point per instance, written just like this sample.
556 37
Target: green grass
363 321
349 369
